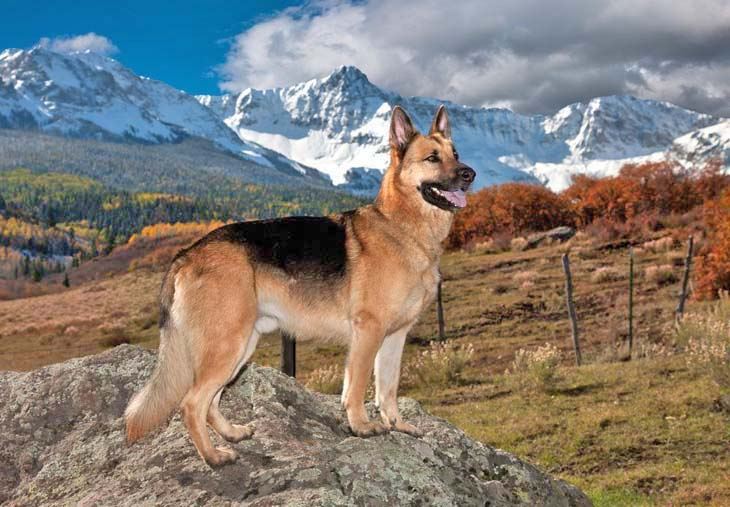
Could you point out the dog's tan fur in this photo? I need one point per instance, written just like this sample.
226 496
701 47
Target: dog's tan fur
221 298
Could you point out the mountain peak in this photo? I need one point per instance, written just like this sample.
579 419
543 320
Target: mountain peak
349 78
348 72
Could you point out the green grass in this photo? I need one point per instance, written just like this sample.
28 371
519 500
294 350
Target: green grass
642 432
614 497
645 429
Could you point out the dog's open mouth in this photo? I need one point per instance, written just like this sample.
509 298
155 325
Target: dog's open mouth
435 194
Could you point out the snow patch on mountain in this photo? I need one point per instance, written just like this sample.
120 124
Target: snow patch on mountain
340 122
88 95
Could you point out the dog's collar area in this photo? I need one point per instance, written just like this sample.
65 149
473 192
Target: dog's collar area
447 199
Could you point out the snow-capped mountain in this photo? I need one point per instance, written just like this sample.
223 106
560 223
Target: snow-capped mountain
339 125
711 142
87 95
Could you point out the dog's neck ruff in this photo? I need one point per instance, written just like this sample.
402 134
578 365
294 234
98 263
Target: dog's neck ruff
426 224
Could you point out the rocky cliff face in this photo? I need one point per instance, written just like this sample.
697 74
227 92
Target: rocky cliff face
62 444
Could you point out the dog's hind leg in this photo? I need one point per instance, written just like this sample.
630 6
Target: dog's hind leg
216 369
218 307
387 376
232 432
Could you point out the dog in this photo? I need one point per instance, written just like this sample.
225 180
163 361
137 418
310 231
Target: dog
361 278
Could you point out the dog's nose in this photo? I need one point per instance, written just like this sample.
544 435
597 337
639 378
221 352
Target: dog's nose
467 174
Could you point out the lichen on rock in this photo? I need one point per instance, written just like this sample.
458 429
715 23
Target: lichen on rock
62 443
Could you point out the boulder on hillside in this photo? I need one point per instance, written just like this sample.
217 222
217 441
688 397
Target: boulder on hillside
562 233
62 443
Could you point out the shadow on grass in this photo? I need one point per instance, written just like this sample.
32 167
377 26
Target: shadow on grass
579 389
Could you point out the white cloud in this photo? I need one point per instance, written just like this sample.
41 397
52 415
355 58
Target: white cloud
535 56
88 41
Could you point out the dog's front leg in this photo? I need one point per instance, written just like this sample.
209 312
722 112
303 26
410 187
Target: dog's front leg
366 340
345 384
387 376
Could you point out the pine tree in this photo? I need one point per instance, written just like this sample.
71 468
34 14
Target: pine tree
37 272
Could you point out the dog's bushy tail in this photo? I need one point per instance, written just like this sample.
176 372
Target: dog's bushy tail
173 375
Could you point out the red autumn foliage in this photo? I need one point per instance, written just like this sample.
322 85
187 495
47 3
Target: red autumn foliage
512 208
713 263
640 199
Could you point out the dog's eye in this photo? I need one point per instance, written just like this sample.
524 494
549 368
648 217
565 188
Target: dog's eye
433 159
456 155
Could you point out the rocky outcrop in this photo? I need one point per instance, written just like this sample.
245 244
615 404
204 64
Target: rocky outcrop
562 233
62 443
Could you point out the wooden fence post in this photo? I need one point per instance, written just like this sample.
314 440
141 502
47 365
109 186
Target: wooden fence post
685 280
571 308
288 355
440 312
631 300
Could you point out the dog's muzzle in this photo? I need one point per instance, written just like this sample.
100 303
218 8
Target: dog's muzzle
451 194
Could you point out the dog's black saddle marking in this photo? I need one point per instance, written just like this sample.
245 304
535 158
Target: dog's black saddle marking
310 247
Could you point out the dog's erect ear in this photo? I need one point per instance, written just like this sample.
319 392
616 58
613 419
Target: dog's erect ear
441 123
401 129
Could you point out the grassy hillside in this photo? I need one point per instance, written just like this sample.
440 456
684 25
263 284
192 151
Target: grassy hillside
50 221
641 432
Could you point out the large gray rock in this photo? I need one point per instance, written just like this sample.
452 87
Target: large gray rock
562 233
62 443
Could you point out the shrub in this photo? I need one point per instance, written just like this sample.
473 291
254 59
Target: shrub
676 259
442 363
511 208
659 245
524 276
707 340
642 198
501 241
713 263
605 274
537 368
518 244
661 275
326 380
500 289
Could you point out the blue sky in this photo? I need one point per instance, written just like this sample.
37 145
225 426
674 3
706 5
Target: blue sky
179 42
527 55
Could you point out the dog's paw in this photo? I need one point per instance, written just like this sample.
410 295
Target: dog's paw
240 432
408 428
369 429
221 456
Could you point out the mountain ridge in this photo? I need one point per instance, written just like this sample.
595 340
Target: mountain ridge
335 127
338 124
87 95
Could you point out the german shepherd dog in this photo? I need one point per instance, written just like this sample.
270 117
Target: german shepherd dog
361 278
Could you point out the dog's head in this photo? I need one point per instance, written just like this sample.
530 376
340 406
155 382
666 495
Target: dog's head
429 165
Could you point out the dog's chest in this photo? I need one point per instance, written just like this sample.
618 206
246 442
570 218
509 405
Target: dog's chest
421 293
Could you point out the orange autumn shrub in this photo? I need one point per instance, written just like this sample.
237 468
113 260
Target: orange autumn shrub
512 208
640 200
713 263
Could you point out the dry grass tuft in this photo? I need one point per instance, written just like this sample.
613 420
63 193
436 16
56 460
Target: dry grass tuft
659 245
707 339
525 276
440 365
661 274
326 380
606 274
518 244
537 368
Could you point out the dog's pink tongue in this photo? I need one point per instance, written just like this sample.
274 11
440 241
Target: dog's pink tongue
457 198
